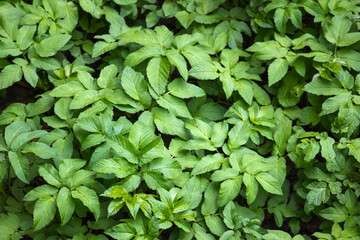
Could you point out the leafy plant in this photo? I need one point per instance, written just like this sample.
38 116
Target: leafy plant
194 119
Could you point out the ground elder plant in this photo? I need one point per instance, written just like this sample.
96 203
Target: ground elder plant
191 119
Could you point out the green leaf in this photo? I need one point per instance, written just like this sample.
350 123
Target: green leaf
124 148
239 134
25 36
277 234
157 71
327 150
50 174
193 190
39 192
245 89
135 85
229 189
337 31
319 193
107 74
91 7
121 168
167 123
20 164
277 70
184 18
89 198
102 47
176 59
335 214
269 183
320 86
282 134
251 187
44 211
228 83
65 204
201 234
204 71
207 6
51 45
30 74
215 224
10 75
84 98
175 105
182 89
210 204
280 19
208 163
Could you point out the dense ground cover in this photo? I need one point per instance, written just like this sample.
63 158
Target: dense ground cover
191 119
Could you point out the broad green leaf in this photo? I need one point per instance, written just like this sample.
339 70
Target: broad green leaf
42 105
89 198
157 71
185 18
30 74
14 129
91 7
210 204
67 90
320 86
50 175
193 190
41 191
245 89
124 148
51 45
135 85
9 75
277 234
182 89
20 164
204 71
44 211
122 231
206 6
167 123
140 55
251 187
102 47
268 50
65 204
107 74
81 177
208 163
25 36
269 183
239 134
336 214
229 189
120 167
84 98
176 59
215 224
319 193
41 150
337 31
280 20
228 83
201 234
175 105
282 134
277 70
327 150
